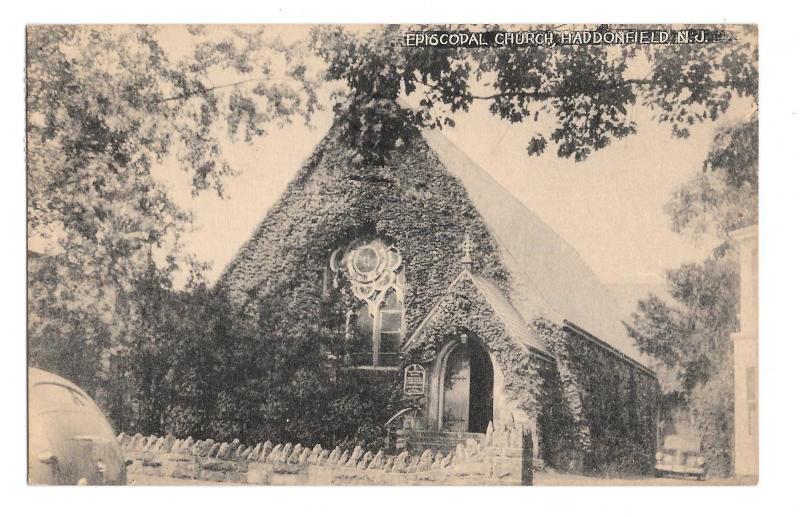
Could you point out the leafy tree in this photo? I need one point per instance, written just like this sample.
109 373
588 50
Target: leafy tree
72 340
723 195
173 367
104 105
689 335
587 90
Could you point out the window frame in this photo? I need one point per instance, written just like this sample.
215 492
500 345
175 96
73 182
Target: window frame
378 331
372 293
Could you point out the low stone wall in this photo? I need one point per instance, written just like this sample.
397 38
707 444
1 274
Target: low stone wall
500 459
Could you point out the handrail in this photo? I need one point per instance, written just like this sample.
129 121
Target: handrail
398 415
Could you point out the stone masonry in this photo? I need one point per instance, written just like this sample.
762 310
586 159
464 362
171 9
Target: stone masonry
499 459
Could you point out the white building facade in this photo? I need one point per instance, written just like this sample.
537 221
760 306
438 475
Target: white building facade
745 356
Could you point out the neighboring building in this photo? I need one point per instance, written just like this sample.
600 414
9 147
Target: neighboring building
426 260
745 358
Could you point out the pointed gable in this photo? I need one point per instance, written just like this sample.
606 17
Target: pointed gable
501 307
423 200
411 203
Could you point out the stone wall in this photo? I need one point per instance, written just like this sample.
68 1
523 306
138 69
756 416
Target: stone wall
499 459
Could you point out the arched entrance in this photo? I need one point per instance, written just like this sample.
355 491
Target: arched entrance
467 390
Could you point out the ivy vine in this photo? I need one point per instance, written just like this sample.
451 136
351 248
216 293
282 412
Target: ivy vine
463 309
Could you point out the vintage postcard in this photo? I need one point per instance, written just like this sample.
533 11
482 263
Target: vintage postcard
392 255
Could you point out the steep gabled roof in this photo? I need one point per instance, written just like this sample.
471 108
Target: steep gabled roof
548 277
516 327
427 195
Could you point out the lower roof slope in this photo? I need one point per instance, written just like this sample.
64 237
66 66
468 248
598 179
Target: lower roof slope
549 278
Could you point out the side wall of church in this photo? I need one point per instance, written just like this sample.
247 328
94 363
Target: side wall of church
600 410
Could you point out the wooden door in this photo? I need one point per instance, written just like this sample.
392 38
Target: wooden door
455 410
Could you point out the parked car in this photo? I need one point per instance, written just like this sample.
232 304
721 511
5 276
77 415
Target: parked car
70 442
680 458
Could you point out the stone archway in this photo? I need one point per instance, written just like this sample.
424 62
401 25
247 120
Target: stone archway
466 393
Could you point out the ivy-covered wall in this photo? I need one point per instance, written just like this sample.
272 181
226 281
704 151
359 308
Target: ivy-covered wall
463 310
595 411
600 415
411 202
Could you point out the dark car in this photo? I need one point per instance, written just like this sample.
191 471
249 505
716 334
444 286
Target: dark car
70 442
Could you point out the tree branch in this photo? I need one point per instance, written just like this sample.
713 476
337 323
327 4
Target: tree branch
212 88
540 95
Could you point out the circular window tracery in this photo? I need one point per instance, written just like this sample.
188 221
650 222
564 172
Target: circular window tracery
373 268
366 260
375 273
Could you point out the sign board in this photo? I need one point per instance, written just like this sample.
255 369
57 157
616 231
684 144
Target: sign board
414 380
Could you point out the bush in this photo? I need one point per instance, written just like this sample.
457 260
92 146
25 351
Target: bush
713 405
209 373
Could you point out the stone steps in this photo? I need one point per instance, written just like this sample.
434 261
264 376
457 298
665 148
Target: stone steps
441 441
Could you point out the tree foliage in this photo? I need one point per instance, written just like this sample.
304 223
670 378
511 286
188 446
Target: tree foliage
723 195
208 372
106 104
689 335
587 90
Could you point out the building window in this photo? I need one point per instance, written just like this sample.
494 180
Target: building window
376 278
391 324
752 401
360 331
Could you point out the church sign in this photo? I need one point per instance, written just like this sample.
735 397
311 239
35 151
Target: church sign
414 380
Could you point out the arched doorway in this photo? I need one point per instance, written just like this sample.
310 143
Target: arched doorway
467 391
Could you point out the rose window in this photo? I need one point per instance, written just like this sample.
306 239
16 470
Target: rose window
376 277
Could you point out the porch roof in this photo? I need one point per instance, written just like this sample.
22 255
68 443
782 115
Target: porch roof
500 304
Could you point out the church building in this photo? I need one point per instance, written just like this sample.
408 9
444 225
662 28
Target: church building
445 285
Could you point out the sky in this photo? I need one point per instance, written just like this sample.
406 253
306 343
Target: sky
609 207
